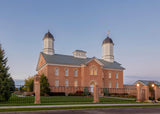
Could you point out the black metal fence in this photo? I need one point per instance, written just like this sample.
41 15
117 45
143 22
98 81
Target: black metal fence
18 95
21 95
70 94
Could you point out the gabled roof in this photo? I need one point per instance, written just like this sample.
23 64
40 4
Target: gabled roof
146 82
71 60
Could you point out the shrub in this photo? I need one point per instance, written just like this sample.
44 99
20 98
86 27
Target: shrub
158 99
105 91
151 98
70 94
56 94
86 91
44 85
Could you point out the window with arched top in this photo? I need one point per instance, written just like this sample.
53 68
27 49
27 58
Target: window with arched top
93 70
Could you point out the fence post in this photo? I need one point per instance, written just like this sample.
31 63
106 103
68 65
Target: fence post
138 93
37 89
155 92
96 96
146 93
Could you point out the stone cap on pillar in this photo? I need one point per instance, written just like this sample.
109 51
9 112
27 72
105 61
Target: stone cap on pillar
36 78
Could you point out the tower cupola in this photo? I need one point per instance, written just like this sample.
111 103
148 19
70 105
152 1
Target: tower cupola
48 44
107 49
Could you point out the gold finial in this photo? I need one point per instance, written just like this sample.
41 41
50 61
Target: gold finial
107 33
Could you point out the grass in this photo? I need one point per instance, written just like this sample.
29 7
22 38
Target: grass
60 100
65 108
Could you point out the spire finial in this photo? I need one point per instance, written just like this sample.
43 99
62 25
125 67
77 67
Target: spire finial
48 30
107 33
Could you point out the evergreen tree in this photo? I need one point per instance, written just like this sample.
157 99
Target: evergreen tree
6 82
44 85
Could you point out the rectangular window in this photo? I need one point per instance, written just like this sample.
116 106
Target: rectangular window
110 84
56 71
66 83
75 83
116 84
116 75
109 75
75 72
66 72
56 83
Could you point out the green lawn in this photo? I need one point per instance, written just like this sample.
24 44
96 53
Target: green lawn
59 100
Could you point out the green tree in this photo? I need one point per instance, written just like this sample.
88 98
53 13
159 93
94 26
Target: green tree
29 83
12 88
6 82
44 85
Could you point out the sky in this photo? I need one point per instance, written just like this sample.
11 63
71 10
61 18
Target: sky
134 27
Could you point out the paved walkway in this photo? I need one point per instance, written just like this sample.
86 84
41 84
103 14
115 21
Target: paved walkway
125 110
123 98
47 106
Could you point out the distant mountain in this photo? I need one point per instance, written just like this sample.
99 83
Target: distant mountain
19 82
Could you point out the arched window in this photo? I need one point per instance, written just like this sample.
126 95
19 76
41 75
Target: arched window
93 70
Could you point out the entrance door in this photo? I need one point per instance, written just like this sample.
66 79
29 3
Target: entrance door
143 95
92 88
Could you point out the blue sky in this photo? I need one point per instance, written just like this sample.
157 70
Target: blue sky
134 26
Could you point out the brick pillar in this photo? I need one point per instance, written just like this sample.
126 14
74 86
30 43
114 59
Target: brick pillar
37 89
156 92
96 96
146 93
138 94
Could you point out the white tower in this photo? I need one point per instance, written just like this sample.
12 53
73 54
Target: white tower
48 44
107 49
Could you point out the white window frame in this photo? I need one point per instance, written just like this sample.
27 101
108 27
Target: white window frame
75 72
66 71
109 75
116 75
117 85
75 83
56 71
56 83
66 83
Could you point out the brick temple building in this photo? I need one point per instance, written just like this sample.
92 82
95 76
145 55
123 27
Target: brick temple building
79 70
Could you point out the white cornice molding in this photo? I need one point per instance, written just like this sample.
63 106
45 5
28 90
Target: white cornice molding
112 69
63 65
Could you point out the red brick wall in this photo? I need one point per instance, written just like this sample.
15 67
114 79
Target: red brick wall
87 78
113 78
84 78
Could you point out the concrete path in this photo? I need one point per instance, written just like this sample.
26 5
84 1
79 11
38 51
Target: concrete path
46 106
123 98
137 110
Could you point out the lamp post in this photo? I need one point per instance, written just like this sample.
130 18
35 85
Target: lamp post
138 93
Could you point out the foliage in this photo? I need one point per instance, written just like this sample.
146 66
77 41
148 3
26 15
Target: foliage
105 91
12 88
151 98
44 85
86 91
6 82
29 83
158 99
78 93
